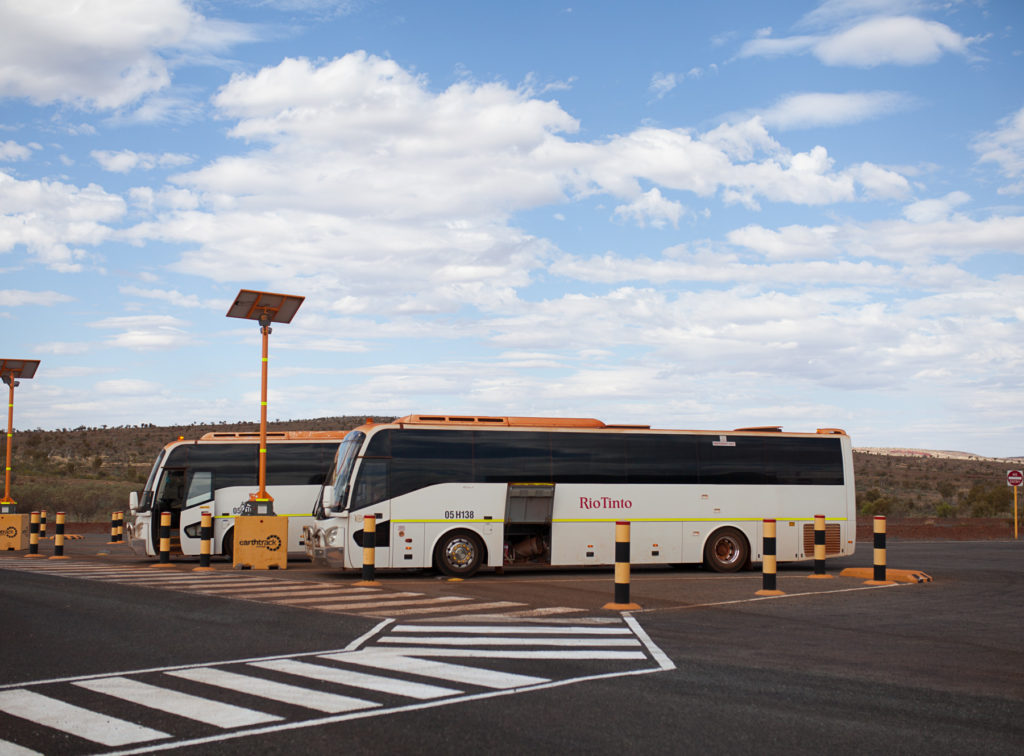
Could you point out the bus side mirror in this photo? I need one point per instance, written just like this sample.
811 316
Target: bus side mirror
133 502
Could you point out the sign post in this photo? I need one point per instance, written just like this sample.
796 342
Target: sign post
257 536
1014 478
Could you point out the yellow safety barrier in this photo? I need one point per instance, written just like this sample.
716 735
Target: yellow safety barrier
622 571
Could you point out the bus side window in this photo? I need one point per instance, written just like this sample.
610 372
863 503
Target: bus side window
200 488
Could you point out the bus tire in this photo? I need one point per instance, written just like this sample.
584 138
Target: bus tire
227 546
726 550
459 553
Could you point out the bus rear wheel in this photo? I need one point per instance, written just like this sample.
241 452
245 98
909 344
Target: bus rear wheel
727 550
459 554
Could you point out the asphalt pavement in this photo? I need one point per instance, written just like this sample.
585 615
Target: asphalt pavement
833 665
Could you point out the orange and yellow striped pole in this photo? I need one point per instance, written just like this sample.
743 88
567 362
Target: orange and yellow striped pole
769 561
58 538
206 533
819 548
262 495
165 540
369 550
622 570
10 442
879 576
33 536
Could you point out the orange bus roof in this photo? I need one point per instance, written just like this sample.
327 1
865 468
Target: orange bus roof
275 435
567 422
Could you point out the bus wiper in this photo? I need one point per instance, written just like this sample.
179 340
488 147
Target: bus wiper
318 505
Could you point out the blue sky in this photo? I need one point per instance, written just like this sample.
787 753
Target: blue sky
696 215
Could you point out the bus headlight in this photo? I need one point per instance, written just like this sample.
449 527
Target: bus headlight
331 535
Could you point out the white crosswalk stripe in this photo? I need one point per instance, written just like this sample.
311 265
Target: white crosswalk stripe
74 720
354 679
200 709
379 673
332 703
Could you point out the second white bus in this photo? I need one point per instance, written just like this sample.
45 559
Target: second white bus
461 493
217 472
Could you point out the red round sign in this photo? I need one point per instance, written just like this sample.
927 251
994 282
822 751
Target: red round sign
1014 478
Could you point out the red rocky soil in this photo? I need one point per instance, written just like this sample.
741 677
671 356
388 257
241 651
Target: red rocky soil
937 529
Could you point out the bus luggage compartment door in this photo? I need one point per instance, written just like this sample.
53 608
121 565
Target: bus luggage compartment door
528 508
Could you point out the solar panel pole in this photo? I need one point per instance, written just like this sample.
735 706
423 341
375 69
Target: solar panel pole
10 372
265 331
266 308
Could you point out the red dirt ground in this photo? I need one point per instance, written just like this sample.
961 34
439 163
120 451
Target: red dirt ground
940 529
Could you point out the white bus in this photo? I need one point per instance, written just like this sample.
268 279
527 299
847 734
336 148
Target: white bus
460 493
218 472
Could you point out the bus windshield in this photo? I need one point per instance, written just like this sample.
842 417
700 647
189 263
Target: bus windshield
343 461
146 500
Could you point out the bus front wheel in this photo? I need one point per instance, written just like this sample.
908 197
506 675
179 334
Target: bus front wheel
227 546
459 554
727 550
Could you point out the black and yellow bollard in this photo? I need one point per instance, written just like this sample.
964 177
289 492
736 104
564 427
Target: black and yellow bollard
165 541
206 534
33 536
622 576
42 525
113 528
769 563
58 538
819 548
879 575
369 550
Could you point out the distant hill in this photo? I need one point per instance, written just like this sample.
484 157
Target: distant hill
89 472
935 454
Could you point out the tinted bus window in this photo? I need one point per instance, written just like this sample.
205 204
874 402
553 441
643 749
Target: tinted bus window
298 464
588 458
514 457
735 460
669 458
805 461
421 458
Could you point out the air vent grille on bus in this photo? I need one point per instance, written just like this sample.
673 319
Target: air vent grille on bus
833 539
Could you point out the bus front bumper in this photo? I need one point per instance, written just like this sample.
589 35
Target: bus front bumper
135 537
325 547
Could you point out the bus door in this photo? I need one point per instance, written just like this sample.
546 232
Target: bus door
170 497
199 495
371 498
528 510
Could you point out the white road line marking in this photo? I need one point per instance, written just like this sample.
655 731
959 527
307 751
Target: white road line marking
527 615
74 720
433 609
331 703
267 590
13 749
212 585
527 629
387 600
419 691
659 656
503 653
398 662
490 641
206 710
341 595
